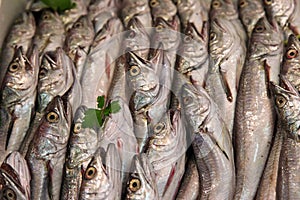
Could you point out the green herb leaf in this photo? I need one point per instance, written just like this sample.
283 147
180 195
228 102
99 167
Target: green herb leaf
101 101
59 5
91 119
115 107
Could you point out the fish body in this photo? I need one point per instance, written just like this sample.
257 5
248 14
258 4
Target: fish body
98 7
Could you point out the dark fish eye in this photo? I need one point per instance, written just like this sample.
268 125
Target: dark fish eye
159 28
268 2
77 25
187 100
52 117
291 53
90 173
42 73
9 194
259 29
159 127
243 3
13 67
154 3
212 36
280 101
131 34
187 39
134 184
216 4
46 16
77 128
134 70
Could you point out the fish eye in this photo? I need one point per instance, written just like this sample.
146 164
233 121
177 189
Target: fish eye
216 4
131 34
159 28
243 3
187 39
43 73
291 53
159 127
280 101
46 16
90 173
78 25
77 128
268 2
154 3
187 100
9 194
259 29
134 70
134 184
212 36
52 117
13 67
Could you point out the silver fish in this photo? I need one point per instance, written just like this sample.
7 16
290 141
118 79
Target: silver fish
250 12
78 41
50 32
211 143
223 9
141 183
102 180
82 145
164 9
99 68
46 153
166 152
254 114
99 7
18 93
287 106
20 34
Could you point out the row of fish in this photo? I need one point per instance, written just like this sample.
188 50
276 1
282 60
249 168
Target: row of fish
208 94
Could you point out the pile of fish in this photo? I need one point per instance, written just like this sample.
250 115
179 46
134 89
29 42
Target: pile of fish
208 92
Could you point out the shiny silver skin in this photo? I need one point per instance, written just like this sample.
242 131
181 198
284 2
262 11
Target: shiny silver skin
18 93
136 8
78 41
190 185
99 68
287 105
46 153
227 50
82 145
105 182
99 7
50 32
255 115
211 143
166 152
250 12
141 183
20 34
164 9
14 178
291 61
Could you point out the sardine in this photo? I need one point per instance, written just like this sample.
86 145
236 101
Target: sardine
18 93
98 7
164 9
46 153
254 114
141 183
102 178
211 143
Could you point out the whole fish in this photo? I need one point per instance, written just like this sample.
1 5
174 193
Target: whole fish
20 34
14 178
18 93
164 9
46 153
166 152
99 68
50 32
141 183
287 100
291 61
211 143
78 41
250 12
227 52
82 145
254 114
102 178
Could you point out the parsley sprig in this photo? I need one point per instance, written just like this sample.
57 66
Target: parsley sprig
59 5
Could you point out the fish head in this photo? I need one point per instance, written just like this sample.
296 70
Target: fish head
78 9
98 6
195 105
287 104
50 20
266 38
23 26
222 8
162 8
141 183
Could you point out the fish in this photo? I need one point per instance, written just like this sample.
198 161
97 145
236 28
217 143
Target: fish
50 32
164 9
20 34
100 64
79 38
141 182
255 122
99 8
290 62
211 143
190 185
46 153
286 100
227 52
82 145
18 93
102 178
166 153
250 12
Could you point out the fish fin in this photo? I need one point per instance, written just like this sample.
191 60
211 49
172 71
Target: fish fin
226 86
267 78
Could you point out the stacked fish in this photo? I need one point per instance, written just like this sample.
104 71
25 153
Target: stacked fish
207 90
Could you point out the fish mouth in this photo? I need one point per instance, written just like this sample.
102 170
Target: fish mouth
287 85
